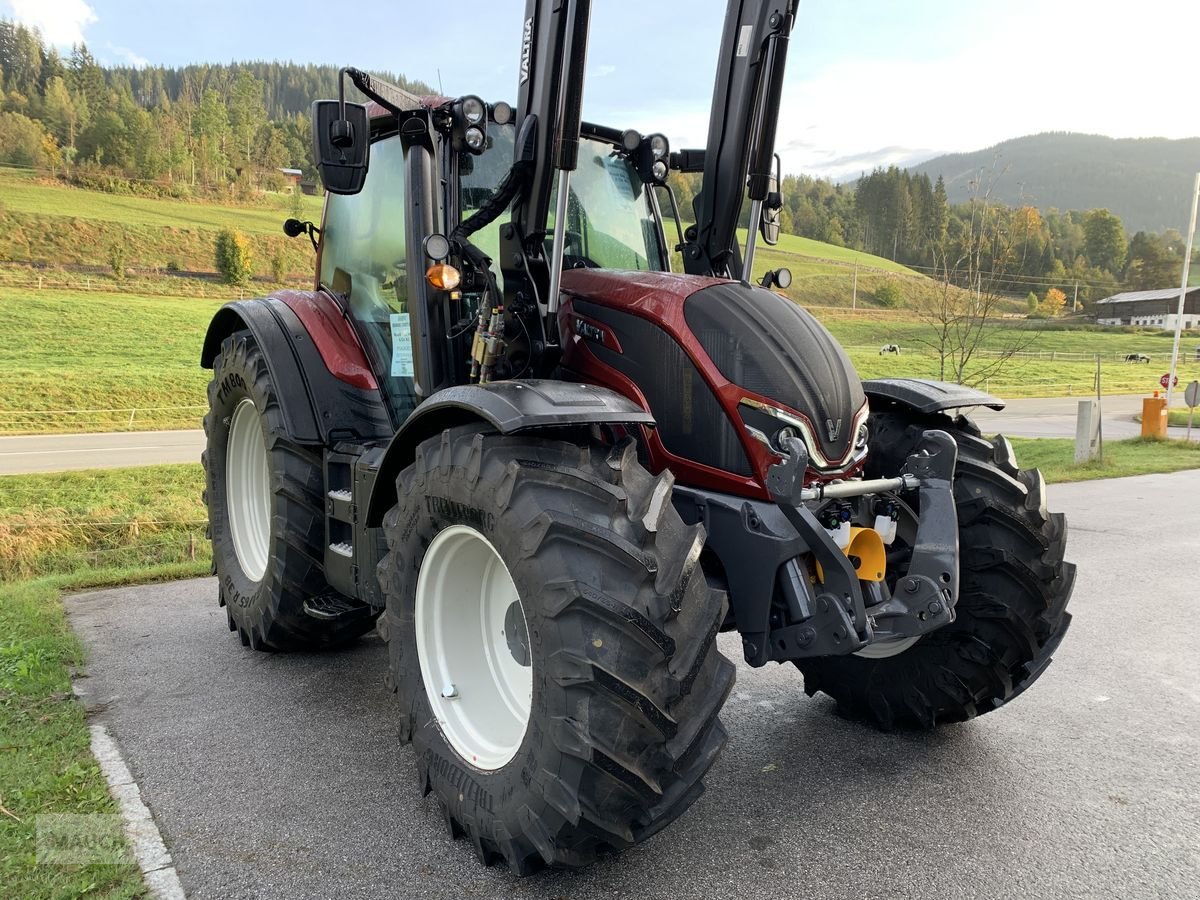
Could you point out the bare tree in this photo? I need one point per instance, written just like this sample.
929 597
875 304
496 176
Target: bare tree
964 313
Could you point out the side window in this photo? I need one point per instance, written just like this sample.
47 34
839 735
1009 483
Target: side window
363 259
610 222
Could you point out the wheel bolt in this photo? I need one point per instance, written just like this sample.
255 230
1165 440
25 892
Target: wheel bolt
450 692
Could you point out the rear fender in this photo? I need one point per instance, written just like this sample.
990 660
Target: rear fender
319 371
505 407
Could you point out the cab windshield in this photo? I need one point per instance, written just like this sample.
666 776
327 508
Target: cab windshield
610 219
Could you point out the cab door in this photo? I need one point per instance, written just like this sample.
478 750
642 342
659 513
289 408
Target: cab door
364 265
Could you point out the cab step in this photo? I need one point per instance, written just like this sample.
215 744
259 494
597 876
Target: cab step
332 606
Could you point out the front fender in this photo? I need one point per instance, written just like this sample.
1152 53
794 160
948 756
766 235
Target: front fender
925 395
504 406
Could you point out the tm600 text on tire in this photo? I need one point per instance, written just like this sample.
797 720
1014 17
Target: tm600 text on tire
1014 586
264 510
552 641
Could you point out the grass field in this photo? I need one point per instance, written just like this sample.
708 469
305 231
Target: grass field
49 224
83 350
1056 458
46 765
91 352
20 192
67 523
821 257
74 360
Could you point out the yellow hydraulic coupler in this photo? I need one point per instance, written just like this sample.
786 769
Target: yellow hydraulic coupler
867 552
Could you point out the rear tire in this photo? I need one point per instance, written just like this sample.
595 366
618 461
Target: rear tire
266 523
1013 592
627 681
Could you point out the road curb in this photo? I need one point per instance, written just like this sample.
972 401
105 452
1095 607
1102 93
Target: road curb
153 858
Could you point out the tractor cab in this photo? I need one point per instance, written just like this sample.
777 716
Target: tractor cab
413 248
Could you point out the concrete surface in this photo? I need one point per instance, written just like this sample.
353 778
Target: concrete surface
21 454
280 776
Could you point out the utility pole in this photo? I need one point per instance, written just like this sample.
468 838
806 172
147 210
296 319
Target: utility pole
1075 305
1183 289
854 299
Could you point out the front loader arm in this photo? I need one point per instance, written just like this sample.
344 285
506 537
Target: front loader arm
741 130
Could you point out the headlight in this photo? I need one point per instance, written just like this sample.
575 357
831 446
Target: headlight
473 110
659 170
860 439
474 139
659 146
502 113
781 436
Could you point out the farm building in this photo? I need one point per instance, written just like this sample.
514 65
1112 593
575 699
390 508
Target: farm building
1155 308
292 177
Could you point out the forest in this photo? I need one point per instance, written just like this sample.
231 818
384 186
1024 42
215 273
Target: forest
226 130
201 129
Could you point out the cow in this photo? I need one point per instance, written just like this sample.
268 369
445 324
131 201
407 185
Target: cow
1137 358
889 348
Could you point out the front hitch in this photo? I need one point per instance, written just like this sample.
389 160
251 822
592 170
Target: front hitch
835 615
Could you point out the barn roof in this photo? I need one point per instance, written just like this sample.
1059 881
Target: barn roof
1133 296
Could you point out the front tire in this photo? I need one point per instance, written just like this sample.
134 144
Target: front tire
1014 587
612 614
263 493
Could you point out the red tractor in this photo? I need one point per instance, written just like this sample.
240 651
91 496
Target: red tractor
550 456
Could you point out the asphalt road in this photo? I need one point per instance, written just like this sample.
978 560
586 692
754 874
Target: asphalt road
1055 417
20 454
1051 417
280 776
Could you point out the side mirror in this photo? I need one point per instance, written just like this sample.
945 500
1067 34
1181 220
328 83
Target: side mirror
341 144
769 226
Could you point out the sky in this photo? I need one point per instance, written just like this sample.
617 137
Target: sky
868 83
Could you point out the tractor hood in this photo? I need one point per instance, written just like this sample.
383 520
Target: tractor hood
767 344
755 339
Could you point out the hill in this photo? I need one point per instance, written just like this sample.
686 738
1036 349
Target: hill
1145 181
45 223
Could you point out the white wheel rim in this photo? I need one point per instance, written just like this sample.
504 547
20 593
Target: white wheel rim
471 630
248 491
884 649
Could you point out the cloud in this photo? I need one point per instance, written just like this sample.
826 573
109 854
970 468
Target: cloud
61 22
999 84
128 57
601 71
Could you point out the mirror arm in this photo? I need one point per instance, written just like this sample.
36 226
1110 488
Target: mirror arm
675 212
756 210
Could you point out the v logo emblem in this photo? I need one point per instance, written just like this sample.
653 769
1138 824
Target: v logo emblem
833 429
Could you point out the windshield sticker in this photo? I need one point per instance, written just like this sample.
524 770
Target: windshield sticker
619 173
402 355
